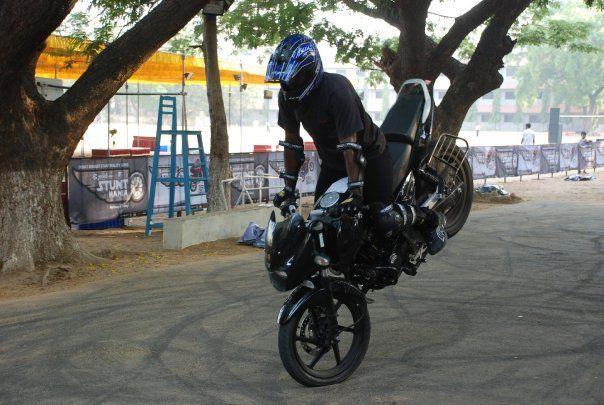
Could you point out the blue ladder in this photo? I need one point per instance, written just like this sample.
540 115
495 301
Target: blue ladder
167 107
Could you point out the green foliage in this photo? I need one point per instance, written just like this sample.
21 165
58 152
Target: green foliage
253 24
570 35
566 75
126 12
90 35
262 23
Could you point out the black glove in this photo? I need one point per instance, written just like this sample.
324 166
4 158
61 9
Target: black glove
353 204
285 199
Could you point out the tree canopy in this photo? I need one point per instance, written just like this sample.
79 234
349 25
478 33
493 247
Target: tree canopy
566 75
260 23
469 48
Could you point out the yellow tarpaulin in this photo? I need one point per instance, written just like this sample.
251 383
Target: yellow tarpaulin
59 60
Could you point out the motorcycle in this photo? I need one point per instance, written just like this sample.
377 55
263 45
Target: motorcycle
333 259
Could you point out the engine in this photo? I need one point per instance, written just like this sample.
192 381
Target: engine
380 263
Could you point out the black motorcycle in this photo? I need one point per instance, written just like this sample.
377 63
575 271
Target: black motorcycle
332 259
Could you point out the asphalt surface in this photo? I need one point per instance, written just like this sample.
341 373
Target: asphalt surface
512 312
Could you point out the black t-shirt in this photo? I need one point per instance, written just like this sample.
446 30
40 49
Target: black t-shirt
329 113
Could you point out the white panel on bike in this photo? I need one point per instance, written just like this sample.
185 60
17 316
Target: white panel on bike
427 103
339 186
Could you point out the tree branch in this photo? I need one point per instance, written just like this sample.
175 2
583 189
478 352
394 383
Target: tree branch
388 63
412 38
597 92
24 28
384 10
450 68
110 70
462 27
482 72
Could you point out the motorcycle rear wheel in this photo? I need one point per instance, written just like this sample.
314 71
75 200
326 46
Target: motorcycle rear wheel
458 213
306 333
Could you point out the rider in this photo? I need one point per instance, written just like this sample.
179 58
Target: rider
348 142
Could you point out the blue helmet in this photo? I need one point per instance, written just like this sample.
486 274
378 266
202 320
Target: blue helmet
296 64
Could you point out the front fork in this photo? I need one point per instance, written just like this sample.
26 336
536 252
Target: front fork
322 260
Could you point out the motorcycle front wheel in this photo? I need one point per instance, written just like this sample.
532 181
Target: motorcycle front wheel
315 353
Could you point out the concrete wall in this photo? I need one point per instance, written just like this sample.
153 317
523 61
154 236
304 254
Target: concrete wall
183 232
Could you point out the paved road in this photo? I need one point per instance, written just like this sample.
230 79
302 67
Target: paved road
513 312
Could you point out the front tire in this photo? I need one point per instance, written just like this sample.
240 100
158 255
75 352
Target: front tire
303 341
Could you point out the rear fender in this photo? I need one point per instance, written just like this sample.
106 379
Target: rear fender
295 303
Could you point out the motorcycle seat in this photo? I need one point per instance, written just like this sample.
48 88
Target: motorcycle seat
402 121
401 154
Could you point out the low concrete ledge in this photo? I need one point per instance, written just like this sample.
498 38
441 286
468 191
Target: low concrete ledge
183 232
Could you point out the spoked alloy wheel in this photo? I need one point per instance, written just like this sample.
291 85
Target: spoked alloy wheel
314 353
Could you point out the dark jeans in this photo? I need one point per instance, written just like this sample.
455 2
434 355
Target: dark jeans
378 179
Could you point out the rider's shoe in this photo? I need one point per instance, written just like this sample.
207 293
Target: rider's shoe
433 230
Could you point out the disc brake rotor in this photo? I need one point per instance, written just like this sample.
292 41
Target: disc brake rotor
309 328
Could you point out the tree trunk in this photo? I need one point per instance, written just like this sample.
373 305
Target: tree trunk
32 224
38 137
219 143
419 56
592 109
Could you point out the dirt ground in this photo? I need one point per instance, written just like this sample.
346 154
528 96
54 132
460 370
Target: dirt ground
125 251
547 188
128 251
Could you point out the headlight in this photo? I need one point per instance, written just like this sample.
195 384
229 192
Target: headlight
329 200
270 229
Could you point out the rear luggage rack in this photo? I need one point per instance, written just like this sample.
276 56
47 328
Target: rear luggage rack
446 153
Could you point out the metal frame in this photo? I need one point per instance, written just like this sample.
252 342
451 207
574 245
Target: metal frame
167 106
245 191
446 143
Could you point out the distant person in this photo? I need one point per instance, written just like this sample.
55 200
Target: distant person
583 143
528 136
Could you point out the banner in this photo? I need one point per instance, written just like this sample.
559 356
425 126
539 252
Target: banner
162 189
587 155
103 189
599 147
569 156
507 161
483 162
550 159
529 159
309 172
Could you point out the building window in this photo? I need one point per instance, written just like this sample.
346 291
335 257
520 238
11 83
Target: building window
508 117
485 117
510 95
488 96
378 94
